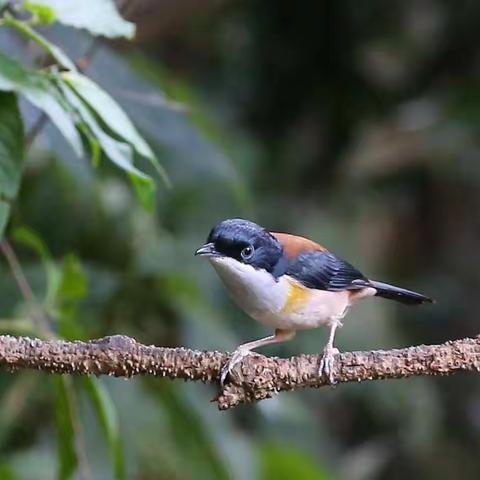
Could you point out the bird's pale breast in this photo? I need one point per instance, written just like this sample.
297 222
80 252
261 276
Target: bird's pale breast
311 308
279 303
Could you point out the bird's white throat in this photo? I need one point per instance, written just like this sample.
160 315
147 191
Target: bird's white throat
254 290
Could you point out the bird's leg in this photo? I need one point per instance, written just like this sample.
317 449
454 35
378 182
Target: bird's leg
329 351
244 350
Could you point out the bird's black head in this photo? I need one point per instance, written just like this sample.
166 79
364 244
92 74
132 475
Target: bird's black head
244 241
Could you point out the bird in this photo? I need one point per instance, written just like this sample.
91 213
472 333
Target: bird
289 283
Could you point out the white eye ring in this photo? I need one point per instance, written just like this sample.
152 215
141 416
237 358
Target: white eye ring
247 252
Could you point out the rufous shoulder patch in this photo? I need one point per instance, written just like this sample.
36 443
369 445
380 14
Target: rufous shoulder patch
294 245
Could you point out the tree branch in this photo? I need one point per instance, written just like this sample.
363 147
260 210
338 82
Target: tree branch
257 378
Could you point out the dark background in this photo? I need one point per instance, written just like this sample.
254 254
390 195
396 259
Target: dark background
352 123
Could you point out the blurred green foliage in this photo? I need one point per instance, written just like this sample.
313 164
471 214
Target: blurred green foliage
354 123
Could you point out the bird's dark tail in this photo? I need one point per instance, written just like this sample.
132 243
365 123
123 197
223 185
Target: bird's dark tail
391 292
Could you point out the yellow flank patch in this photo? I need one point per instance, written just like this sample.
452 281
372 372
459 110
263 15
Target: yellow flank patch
297 298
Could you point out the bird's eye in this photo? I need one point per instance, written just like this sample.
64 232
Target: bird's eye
247 252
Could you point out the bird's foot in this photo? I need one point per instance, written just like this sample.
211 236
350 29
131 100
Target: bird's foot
327 362
237 356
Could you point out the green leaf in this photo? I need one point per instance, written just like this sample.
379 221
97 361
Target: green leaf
56 52
113 115
13 402
66 284
73 282
108 110
11 154
190 434
42 13
7 472
145 190
99 17
49 102
119 153
283 462
95 150
108 419
67 456
94 144
20 327
30 239
72 288
38 88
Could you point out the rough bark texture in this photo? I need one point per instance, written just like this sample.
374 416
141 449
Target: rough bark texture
257 378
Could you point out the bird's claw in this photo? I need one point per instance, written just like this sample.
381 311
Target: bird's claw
235 359
327 362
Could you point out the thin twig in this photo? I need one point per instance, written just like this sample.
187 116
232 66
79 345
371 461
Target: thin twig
256 378
35 130
39 315
17 271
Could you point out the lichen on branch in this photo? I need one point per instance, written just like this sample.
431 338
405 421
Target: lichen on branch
256 378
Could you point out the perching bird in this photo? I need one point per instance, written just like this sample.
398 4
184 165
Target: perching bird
289 283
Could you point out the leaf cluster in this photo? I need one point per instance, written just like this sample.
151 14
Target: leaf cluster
90 120
96 127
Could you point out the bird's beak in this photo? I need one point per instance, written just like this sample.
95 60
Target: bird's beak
208 250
